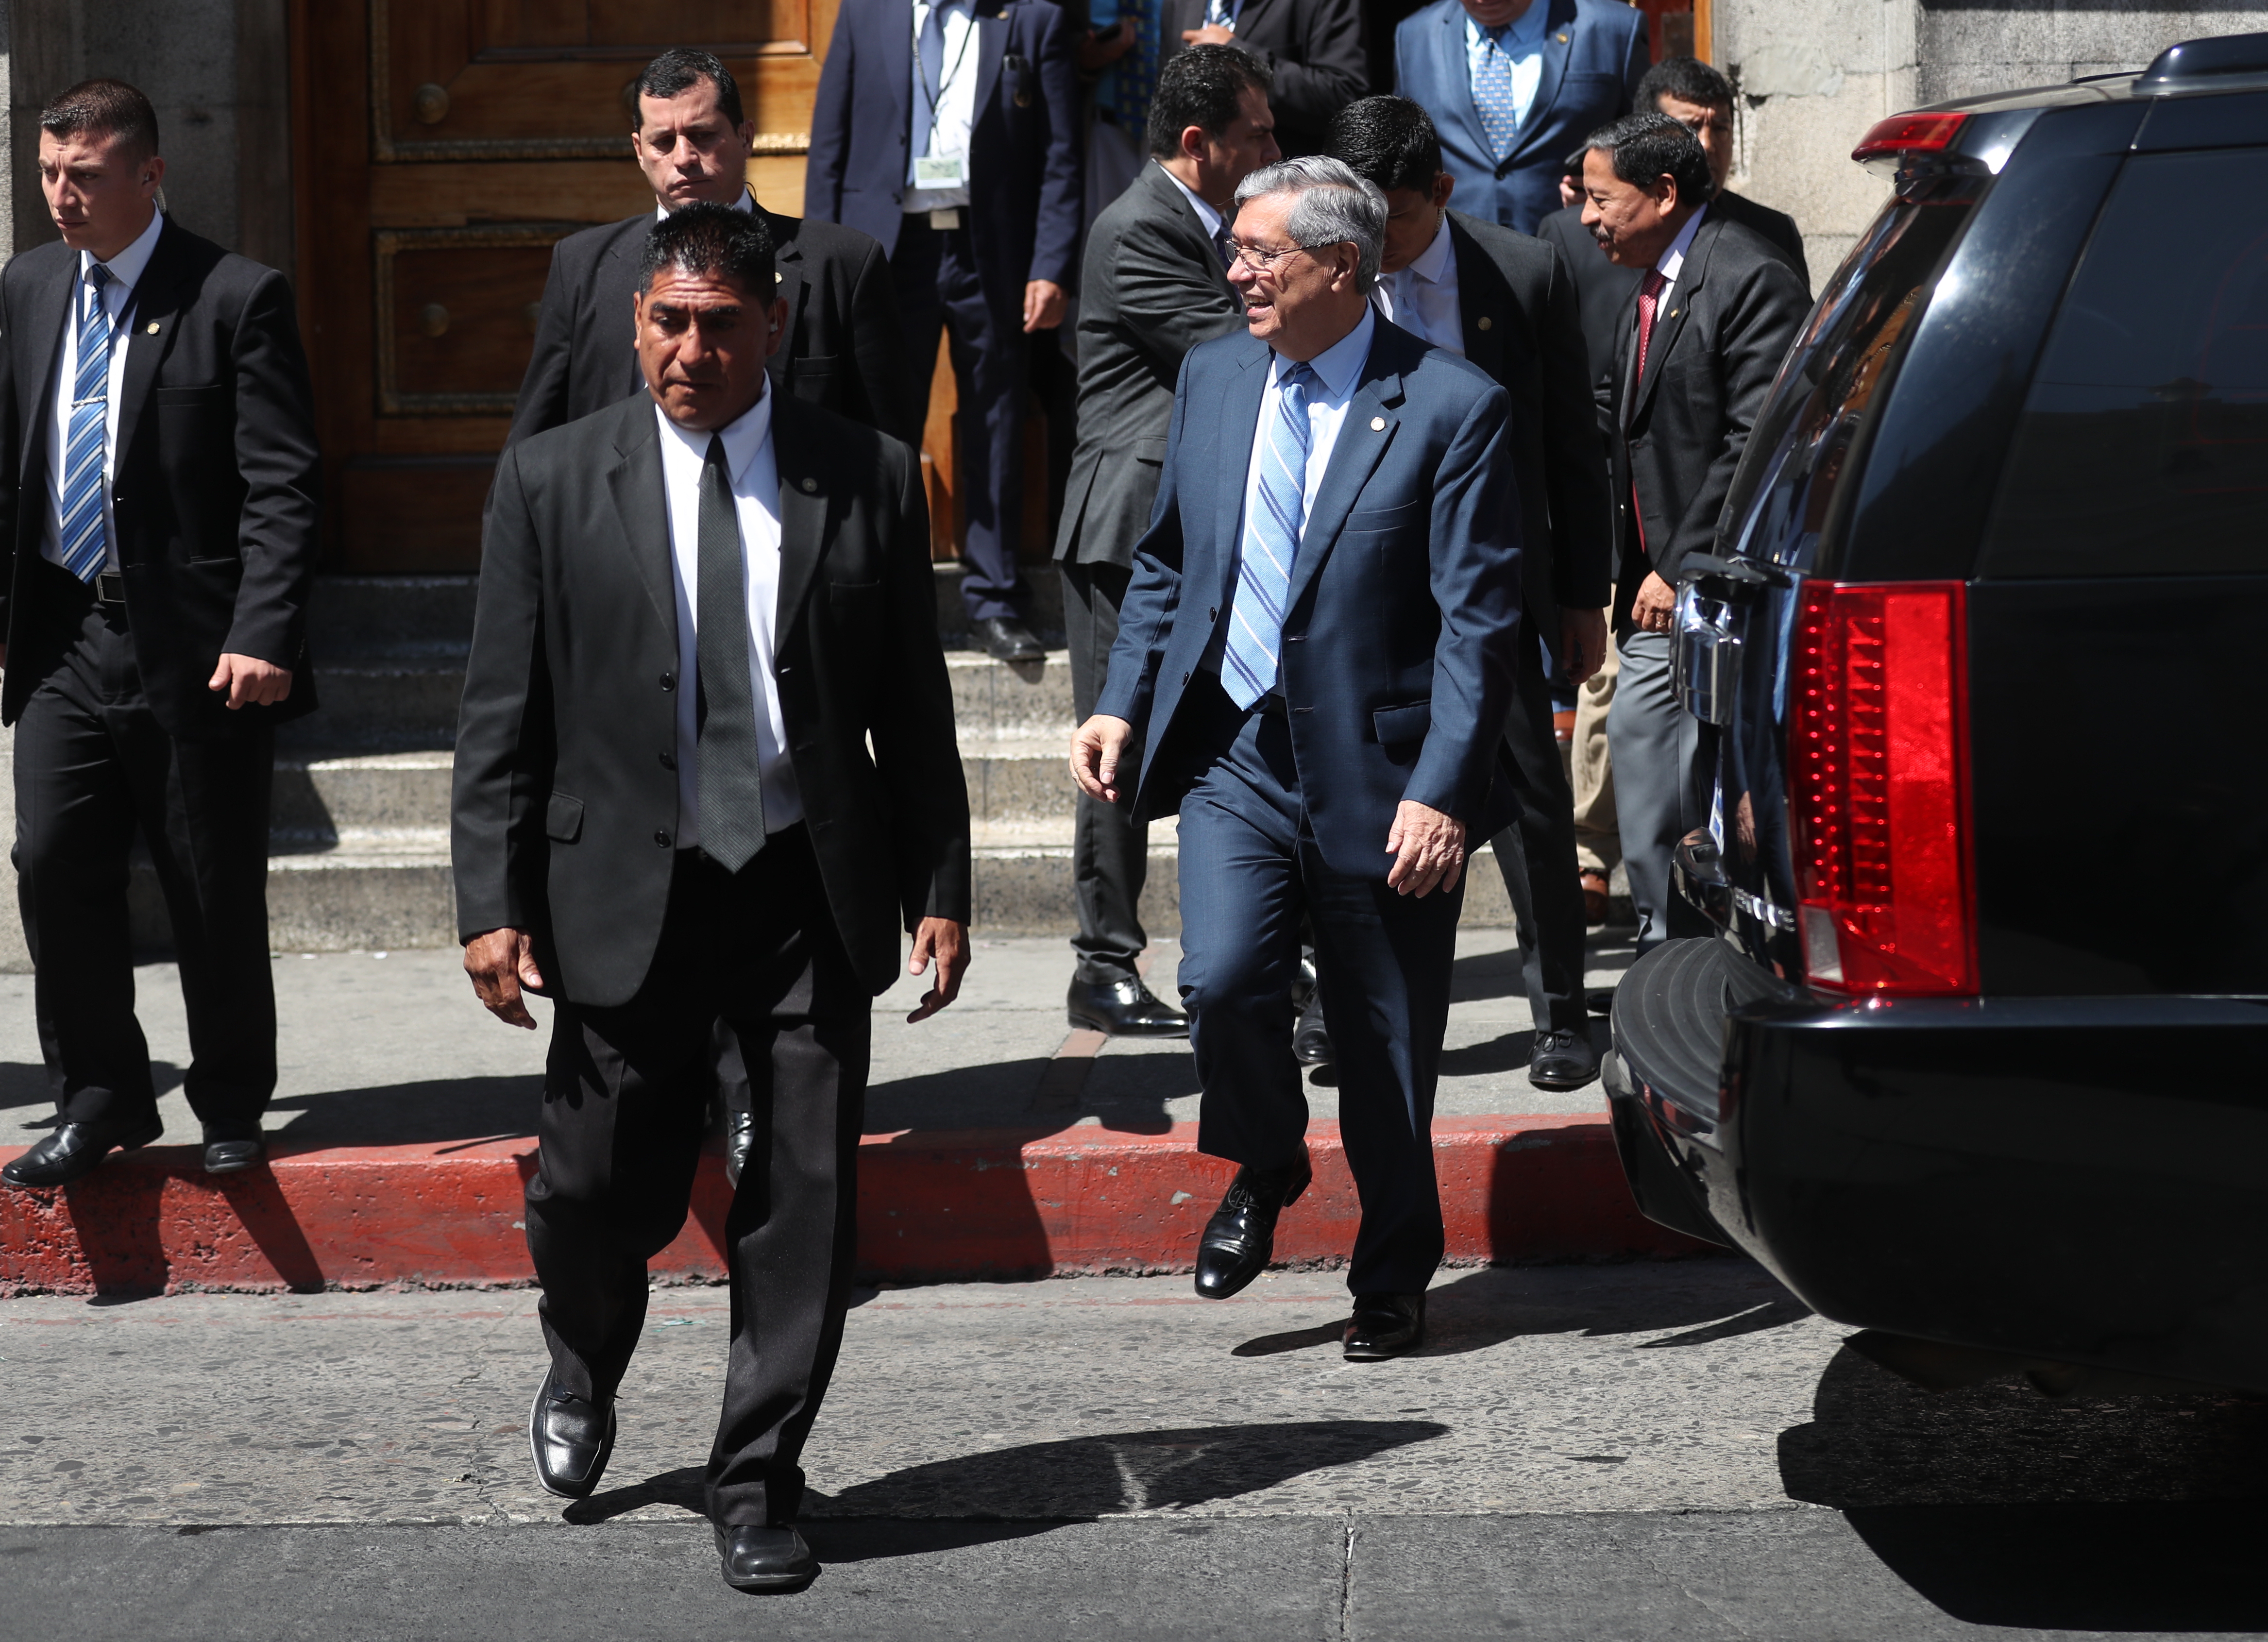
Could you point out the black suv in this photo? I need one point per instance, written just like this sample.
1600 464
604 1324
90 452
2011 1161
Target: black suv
1978 1053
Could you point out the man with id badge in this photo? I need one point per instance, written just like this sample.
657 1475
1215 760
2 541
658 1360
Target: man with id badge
947 129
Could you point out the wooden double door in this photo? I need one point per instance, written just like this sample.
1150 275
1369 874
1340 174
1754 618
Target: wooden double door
443 147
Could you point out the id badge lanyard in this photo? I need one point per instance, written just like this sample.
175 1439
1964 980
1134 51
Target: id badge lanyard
933 171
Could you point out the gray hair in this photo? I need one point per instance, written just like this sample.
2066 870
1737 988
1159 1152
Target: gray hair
1330 205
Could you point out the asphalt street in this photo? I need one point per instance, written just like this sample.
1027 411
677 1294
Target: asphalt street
1649 1450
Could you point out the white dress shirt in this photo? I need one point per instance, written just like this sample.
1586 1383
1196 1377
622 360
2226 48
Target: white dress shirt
746 202
956 103
117 296
754 470
1671 262
1421 299
1523 45
1206 214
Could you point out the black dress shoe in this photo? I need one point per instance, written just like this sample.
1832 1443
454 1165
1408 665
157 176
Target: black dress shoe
765 1559
1124 1009
72 1152
1599 1000
1005 639
571 1438
1562 1060
740 1141
1384 1326
1241 1235
231 1148
1311 1040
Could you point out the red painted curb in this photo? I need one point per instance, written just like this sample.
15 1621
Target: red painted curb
980 1203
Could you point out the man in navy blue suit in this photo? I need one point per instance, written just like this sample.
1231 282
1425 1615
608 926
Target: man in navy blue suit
948 131
1514 85
1314 666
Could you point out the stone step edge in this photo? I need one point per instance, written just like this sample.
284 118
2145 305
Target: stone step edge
934 1205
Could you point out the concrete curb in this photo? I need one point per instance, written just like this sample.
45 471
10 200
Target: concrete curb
976 1203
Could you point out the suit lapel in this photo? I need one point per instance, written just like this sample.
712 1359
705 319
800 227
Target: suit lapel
613 286
897 46
1457 81
803 512
992 45
1355 456
146 333
789 286
1669 322
1240 422
1479 297
45 315
643 507
1559 37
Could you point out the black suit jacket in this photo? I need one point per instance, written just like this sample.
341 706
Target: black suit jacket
1778 227
1024 177
1152 288
1604 294
563 809
842 349
1723 330
214 490
1522 327
1316 49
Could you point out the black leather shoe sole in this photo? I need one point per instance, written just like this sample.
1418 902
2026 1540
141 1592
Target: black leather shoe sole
81 1164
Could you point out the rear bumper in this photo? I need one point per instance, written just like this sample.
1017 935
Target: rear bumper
2072 1178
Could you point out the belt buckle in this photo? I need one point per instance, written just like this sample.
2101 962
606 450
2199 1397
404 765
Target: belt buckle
109 587
945 217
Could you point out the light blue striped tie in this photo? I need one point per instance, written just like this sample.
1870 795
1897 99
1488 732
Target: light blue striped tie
1270 545
1492 95
86 548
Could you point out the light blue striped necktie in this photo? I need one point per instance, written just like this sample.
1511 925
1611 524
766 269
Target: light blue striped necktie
1270 546
1492 93
85 546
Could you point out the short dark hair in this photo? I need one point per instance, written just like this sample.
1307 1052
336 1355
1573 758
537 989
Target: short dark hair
1204 87
1687 79
104 108
1388 141
1646 145
677 71
712 239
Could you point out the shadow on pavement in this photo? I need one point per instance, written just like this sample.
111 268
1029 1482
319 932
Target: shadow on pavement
23 1083
439 1110
2005 1507
1011 1493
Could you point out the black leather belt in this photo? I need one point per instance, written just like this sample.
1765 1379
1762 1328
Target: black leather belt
110 589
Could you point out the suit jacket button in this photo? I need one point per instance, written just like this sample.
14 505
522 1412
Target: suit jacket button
661 837
669 761
808 485
1487 323
669 680
1213 615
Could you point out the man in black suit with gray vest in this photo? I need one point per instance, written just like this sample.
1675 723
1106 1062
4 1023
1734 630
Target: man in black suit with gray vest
1505 301
157 437
705 770
1154 285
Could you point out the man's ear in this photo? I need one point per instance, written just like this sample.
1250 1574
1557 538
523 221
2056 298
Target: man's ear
1444 184
778 320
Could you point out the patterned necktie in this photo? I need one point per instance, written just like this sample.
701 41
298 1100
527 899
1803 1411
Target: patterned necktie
1649 299
1271 543
1220 14
85 543
1492 93
731 779
929 83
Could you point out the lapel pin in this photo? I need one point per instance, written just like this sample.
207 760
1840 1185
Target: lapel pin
1487 323
809 485
1377 424
1562 39
153 328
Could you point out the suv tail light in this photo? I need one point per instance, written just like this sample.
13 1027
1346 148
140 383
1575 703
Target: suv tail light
1879 799
1909 134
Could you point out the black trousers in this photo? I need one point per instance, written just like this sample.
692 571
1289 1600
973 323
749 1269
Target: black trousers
1110 849
92 766
625 1094
1251 873
1536 855
935 274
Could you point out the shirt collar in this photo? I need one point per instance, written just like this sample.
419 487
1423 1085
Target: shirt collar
1207 213
1521 36
746 202
127 268
743 437
1339 366
1673 259
1428 263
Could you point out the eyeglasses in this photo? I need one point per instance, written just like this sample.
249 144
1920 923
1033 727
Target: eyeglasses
1263 261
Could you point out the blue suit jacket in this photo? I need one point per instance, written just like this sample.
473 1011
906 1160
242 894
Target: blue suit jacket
1595 53
1399 647
1023 160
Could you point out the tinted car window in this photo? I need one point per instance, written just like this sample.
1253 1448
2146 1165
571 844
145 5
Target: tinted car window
2143 447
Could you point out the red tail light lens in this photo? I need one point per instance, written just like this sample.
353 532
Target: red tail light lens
1909 134
1878 789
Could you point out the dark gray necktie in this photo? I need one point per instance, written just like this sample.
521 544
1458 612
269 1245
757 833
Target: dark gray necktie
732 782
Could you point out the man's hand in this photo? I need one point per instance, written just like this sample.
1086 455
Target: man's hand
1100 51
948 943
1211 35
249 681
1655 603
1582 642
1043 306
1428 850
502 964
1096 746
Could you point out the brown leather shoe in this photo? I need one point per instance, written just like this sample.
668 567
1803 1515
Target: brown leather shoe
1594 897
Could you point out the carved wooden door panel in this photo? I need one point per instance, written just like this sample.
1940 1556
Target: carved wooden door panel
445 146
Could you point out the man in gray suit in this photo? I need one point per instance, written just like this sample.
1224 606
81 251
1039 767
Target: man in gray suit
1154 285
